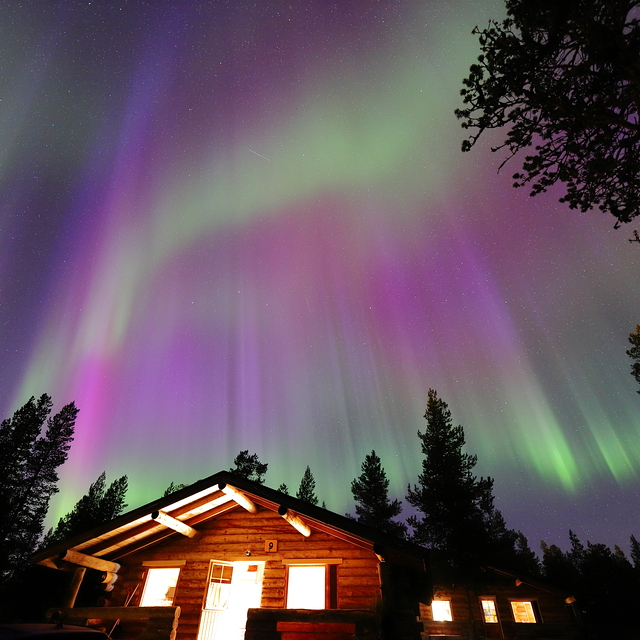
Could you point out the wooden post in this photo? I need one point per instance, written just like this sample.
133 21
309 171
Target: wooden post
175 524
295 521
74 587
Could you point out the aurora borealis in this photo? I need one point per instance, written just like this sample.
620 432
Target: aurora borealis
249 225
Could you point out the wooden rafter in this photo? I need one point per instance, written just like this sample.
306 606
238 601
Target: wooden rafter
295 521
175 524
238 497
140 543
90 562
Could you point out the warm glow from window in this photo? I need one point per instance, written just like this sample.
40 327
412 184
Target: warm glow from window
160 587
523 611
489 610
441 610
306 587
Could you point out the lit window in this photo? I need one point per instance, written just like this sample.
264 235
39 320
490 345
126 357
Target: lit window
441 610
160 587
489 610
219 587
523 611
306 587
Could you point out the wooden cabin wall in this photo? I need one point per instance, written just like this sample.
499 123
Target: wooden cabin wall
227 538
557 617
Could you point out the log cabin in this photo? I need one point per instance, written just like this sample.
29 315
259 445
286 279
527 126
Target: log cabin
230 559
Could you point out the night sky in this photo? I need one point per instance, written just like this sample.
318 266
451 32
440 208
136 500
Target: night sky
232 225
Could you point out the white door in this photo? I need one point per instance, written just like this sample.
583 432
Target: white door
232 588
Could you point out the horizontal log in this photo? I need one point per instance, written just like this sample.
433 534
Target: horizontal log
359 567
351 591
349 562
192 595
90 562
272 583
359 582
272 603
362 605
158 634
317 627
162 623
114 613
108 580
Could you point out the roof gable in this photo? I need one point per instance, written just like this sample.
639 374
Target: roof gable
209 498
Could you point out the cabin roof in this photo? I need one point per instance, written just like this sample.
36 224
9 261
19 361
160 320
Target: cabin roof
210 498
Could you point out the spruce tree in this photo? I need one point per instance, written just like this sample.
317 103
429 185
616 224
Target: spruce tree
611 590
604 581
525 558
282 488
458 518
635 552
172 488
29 460
634 354
249 466
99 505
558 567
307 489
371 492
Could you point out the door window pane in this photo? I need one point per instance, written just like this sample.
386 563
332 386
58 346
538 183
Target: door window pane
219 587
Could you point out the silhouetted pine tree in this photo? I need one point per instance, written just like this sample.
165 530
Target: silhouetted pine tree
100 504
172 488
635 552
557 567
283 489
29 460
458 518
249 466
307 489
606 585
371 492
608 581
525 558
634 354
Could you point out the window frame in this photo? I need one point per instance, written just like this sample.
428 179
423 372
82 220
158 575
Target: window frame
535 610
331 578
150 569
450 610
326 584
491 599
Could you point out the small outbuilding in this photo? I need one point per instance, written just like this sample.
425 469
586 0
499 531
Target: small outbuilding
502 604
